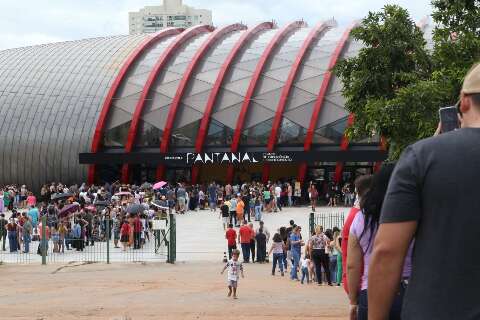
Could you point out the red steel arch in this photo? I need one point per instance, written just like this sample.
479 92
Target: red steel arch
321 98
213 38
343 146
277 39
309 41
145 45
212 98
157 68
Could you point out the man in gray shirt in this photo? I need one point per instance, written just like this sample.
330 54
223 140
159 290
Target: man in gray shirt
181 197
433 197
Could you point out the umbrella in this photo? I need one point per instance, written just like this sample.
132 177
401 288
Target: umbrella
160 205
159 185
69 208
58 196
123 193
135 208
146 185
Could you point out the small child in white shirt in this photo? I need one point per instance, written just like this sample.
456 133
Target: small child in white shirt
235 268
304 265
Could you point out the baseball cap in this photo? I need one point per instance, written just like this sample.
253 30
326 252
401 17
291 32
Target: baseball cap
471 84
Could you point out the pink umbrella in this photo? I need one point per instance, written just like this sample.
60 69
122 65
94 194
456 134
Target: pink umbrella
159 185
69 208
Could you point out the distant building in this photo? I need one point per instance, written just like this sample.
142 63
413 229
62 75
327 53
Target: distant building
173 13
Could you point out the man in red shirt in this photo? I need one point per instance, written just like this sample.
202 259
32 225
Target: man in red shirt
244 237
137 231
362 184
231 236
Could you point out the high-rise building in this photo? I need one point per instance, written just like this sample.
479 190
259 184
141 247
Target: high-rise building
173 13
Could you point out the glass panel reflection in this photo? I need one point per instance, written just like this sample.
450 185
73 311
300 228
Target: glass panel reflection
117 136
334 131
257 135
148 135
218 134
185 136
291 133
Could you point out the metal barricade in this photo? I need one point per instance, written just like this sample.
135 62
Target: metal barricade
103 246
328 220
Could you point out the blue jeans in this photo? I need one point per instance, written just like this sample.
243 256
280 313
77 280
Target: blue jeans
277 257
258 213
246 252
284 260
12 241
395 310
305 275
296 260
333 268
26 242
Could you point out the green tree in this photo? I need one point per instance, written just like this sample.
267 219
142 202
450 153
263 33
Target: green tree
457 40
394 57
395 86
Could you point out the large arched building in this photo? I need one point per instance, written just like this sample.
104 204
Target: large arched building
197 104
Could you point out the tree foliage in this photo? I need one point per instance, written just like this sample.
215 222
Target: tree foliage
394 86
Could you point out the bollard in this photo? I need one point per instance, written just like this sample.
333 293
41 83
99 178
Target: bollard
172 245
44 240
312 223
108 239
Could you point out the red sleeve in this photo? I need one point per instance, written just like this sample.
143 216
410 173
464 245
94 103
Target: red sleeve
345 232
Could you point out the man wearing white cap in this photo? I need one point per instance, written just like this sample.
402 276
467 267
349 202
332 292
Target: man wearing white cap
433 196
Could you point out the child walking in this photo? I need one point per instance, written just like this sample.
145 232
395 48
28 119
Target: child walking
234 267
304 265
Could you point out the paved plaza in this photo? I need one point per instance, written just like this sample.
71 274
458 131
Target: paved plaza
200 235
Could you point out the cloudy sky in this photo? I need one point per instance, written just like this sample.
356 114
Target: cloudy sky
28 22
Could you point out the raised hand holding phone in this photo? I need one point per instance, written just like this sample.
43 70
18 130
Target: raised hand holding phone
449 119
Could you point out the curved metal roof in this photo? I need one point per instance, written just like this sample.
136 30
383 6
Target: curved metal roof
62 99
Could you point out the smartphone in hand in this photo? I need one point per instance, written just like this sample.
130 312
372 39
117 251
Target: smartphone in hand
449 118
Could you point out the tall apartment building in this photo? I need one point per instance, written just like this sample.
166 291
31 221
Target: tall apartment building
173 13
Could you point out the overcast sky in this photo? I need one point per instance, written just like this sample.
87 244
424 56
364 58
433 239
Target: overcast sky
28 22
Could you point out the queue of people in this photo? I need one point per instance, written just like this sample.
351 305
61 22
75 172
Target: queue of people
77 217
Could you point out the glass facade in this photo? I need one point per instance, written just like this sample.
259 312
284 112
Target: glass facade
148 136
116 137
219 135
185 136
53 95
257 135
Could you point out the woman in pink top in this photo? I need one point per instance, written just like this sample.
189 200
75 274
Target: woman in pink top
362 236
31 200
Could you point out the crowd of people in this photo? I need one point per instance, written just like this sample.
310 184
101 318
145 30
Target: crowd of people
320 262
76 216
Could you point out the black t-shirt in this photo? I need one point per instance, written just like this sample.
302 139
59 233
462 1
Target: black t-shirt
436 183
225 210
